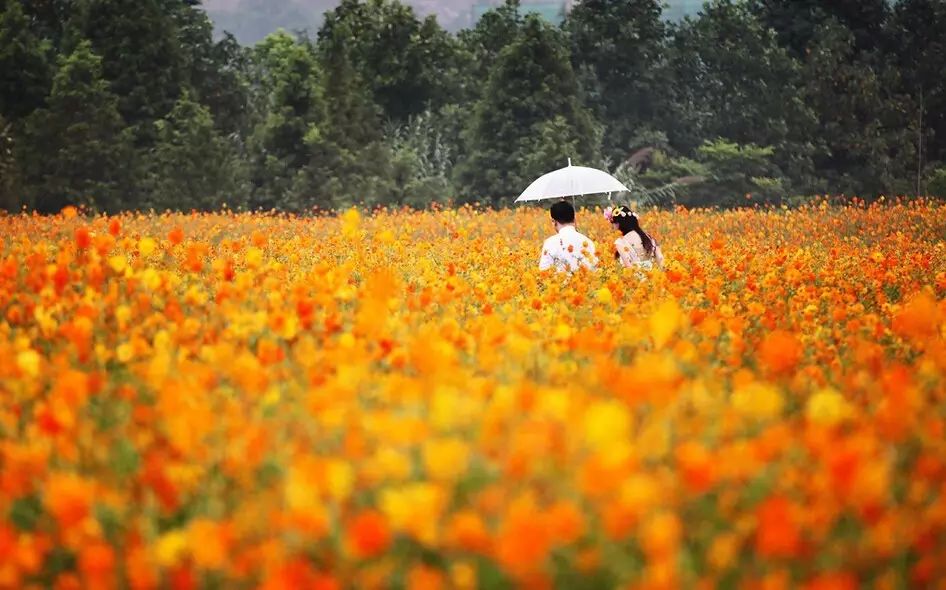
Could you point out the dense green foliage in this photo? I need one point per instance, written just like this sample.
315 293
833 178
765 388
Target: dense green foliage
116 104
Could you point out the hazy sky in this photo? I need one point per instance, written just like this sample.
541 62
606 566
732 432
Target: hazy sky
251 20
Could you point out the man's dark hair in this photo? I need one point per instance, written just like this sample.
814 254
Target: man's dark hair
563 212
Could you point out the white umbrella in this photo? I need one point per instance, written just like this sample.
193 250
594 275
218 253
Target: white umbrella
571 181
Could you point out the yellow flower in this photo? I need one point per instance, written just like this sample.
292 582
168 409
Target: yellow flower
301 488
603 295
124 352
151 278
463 576
397 507
563 332
341 479
386 236
351 219
665 322
446 459
394 465
271 398
827 407
123 315
146 246
170 548
760 401
28 362
118 263
723 551
254 257
606 423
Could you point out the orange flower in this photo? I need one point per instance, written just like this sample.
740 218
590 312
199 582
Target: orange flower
777 534
299 574
833 581
467 531
97 562
918 319
565 521
176 236
369 534
421 577
660 535
83 238
69 498
696 466
523 542
209 543
780 352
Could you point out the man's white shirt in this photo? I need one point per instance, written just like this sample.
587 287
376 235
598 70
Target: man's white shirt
568 250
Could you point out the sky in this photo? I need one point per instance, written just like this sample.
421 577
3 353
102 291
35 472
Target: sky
251 20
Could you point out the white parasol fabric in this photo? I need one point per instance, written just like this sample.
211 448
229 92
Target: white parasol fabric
571 181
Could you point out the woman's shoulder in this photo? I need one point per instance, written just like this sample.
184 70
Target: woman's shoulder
628 240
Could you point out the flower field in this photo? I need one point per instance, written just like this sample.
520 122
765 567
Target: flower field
399 400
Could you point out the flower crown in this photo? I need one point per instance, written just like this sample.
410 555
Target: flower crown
611 212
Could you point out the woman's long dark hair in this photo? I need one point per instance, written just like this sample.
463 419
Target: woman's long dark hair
628 223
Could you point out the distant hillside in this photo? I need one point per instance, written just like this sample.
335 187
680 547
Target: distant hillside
251 20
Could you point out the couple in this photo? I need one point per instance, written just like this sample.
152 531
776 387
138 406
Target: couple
570 250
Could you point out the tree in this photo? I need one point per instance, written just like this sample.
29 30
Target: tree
736 172
77 153
49 19
617 48
191 165
497 29
937 182
293 111
862 118
141 57
216 73
731 80
25 73
423 155
348 159
796 22
919 52
226 88
849 83
10 197
408 64
531 84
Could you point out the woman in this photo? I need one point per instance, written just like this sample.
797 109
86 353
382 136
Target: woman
635 248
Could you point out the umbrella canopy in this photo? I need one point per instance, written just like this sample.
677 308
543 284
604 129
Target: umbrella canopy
571 181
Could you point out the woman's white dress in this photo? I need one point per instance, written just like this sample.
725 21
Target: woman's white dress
632 254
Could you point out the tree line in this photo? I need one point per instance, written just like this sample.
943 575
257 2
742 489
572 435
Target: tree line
134 104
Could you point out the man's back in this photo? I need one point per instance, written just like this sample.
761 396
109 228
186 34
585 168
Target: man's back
568 250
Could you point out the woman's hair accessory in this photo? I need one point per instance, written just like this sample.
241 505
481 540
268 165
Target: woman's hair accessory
611 212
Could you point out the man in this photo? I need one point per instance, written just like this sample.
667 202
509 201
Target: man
567 250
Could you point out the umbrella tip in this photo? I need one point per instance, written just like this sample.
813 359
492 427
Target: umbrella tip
569 161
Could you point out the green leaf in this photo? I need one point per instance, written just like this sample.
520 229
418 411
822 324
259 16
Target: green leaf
490 577
110 522
124 460
25 512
